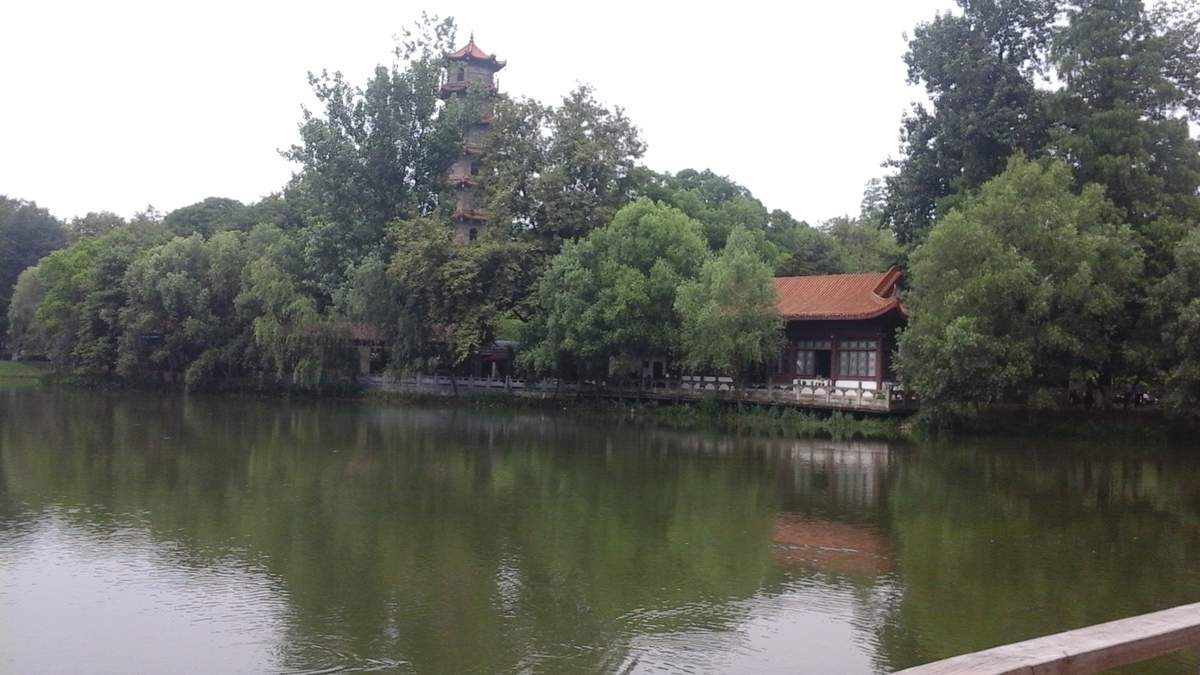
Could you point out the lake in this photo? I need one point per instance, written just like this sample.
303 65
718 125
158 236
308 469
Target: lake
153 533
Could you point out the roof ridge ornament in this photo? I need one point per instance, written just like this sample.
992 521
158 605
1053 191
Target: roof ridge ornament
472 52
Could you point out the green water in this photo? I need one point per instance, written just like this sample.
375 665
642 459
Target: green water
146 533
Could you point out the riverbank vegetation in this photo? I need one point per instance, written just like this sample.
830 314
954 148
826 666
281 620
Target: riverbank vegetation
709 415
1044 207
18 370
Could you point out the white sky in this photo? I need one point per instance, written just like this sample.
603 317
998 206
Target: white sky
110 105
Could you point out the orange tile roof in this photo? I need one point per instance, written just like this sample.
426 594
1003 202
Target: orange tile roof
473 52
837 296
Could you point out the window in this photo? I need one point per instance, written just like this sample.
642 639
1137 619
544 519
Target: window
474 170
813 358
857 358
473 234
806 362
462 74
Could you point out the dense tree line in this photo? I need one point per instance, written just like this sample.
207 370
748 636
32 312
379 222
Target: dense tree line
590 256
1047 200
1044 205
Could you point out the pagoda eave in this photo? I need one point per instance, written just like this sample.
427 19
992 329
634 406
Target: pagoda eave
469 215
455 87
492 61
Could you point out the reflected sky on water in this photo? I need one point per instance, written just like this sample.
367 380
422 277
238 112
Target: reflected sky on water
78 598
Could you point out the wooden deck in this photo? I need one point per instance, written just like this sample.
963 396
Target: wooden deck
1085 651
890 399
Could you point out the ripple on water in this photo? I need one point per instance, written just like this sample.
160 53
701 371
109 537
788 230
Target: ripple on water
809 627
111 599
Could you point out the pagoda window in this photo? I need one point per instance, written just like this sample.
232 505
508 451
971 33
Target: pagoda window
462 75
474 170
473 234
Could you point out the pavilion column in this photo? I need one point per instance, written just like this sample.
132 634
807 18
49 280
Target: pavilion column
879 361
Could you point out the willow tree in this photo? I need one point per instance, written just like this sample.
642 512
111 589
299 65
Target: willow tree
84 295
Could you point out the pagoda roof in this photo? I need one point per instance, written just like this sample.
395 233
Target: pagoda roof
838 297
472 52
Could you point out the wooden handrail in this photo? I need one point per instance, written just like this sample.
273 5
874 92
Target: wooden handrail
1084 651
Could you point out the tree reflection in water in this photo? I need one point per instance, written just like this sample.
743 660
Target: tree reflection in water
452 541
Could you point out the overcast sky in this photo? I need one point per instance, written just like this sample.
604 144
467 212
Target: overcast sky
113 105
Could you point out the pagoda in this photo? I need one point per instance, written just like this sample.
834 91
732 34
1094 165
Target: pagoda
467 66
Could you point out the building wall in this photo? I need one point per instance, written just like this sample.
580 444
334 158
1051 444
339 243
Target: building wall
826 341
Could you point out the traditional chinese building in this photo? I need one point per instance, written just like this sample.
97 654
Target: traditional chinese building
466 67
841 328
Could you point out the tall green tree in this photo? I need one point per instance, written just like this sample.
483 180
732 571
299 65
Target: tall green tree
1175 306
1021 288
865 246
721 206
292 336
167 305
27 233
612 293
446 300
729 323
377 153
806 250
716 201
207 217
1131 88
27 335
977 70
182 313
94 224
558 172
84 294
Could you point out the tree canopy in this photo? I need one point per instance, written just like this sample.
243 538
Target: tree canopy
1044 204
26 234
728 317
558 172
1120 90
1017 291
612 293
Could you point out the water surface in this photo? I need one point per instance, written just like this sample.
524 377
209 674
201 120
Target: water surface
148 534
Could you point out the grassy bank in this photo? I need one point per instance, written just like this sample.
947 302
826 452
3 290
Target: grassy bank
706 415
1146 424
23 369
241 386
760 421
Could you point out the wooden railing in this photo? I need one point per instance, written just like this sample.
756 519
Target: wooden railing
889 398
1084 651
